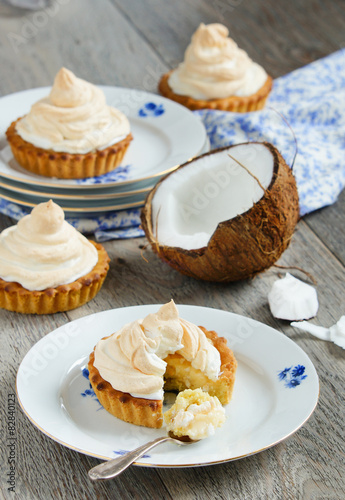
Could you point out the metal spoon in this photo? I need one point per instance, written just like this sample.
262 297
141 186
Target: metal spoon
114 467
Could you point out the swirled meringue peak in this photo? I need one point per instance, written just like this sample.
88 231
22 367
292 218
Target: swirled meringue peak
132 360
73 118
44 251
214 67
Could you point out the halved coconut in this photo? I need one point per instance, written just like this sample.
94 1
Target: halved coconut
225 215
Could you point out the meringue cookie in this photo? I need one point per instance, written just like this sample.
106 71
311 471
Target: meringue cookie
292 299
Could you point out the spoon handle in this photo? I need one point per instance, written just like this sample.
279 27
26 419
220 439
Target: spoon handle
114 467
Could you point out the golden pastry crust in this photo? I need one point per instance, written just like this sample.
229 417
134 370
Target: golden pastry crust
148 412
14 297
238 104
50 163
138 411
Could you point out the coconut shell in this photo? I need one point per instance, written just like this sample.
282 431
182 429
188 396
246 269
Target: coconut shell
244 245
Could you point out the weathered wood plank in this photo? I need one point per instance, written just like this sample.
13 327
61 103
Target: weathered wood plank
130 44
329 225
282 36
96 43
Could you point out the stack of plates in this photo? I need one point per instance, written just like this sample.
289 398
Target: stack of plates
165 135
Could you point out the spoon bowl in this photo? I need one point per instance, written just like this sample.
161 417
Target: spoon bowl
114 467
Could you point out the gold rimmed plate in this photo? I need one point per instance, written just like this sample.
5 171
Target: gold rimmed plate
74 208
165 135
276 390
19 190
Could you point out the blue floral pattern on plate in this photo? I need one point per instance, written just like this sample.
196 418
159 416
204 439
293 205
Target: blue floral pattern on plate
151 109
89 392
123 452
292 376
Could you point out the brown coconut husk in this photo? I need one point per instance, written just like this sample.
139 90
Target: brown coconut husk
245 245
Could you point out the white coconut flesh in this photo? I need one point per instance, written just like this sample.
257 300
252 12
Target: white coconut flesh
190 203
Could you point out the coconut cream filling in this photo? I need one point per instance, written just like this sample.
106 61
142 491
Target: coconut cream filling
132 359
74 118
188 206
194 421
195 414
44 251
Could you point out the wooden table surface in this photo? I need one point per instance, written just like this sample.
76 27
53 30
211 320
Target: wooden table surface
131 44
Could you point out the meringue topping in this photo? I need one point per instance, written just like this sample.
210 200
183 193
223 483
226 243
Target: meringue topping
74 118
214 67
44 251
132 359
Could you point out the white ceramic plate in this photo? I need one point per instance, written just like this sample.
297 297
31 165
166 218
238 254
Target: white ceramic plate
276 390
81 204
74 208
19 190
165 133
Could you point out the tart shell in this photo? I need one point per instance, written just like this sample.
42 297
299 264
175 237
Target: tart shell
148 412
14 297
50 163
238 104
138 411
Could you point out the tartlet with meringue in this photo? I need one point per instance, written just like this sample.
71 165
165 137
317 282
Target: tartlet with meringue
47 266
130 370
216 74
72 133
